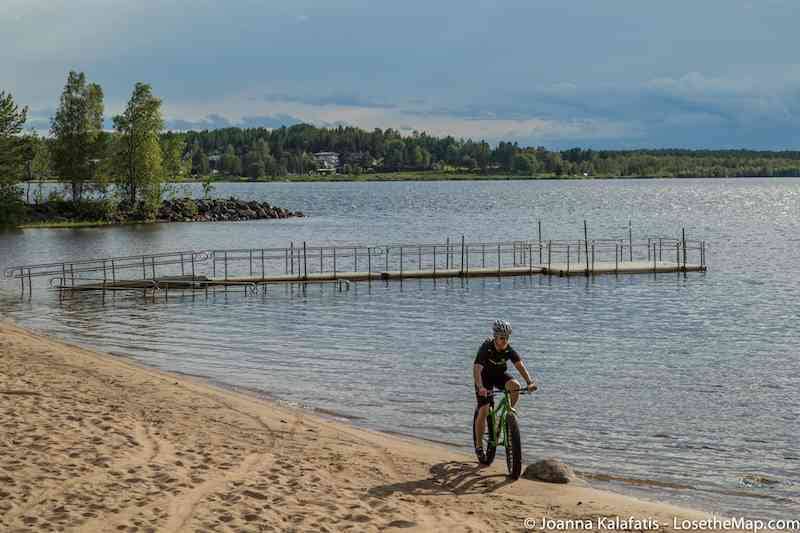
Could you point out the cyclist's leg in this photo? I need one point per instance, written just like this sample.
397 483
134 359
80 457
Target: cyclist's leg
484 403
483 412
513 386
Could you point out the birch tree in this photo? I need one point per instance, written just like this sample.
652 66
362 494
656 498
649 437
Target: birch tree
138 157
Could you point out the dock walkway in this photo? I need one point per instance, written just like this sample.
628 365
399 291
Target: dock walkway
249 268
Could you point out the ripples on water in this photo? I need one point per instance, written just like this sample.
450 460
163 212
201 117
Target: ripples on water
684 381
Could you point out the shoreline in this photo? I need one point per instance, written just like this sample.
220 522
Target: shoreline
97 439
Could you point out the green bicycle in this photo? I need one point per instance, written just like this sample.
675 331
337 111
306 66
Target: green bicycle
502 429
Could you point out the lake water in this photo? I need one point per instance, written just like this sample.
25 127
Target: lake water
689 380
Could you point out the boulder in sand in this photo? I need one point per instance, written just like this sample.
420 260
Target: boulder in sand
551 471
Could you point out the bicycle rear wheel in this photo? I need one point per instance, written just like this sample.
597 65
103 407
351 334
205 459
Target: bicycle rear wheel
488 444
513 447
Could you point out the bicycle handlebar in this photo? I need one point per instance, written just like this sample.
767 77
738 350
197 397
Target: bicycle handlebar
498 391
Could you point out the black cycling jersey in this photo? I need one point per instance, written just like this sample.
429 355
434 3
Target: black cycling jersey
493 360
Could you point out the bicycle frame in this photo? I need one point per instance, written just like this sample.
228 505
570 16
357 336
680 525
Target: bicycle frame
498 435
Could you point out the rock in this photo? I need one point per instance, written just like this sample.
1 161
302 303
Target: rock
757 480
550 470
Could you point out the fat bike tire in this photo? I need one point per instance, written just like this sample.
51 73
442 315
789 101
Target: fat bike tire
513 448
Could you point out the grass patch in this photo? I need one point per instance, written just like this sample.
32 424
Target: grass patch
69 224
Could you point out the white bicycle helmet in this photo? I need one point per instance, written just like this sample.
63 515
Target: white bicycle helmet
501 328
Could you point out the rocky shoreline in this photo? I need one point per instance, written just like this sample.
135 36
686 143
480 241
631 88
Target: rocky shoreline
230 210
177 210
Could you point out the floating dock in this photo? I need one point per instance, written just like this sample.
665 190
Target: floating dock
250 270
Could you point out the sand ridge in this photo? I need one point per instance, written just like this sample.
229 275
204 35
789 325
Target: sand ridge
91 442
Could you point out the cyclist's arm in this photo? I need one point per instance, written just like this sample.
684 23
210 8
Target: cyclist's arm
524 372
477 368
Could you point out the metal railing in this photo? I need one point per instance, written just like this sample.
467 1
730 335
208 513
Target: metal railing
459 257
111 269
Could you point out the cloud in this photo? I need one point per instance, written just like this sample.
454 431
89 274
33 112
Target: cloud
269 121
216 121
601 73
332 99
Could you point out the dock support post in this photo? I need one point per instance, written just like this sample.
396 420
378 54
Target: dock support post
387 259
462 255
483 255
114 269
616 257
369 261
144 269
549 254
568 257
305 262
291 251
683 235
530 258
334 262
30 284
226 266
447 254
355 259
286 261
659 248
703 254
419 258
401 261
586 246
498 259
321 268
648 248
630 239
654 254
434 261
540 241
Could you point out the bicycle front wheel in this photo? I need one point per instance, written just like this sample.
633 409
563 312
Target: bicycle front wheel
513 447
488 443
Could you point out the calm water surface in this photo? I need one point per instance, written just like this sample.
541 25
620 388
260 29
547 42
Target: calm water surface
689 380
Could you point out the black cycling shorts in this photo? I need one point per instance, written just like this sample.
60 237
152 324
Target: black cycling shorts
492 381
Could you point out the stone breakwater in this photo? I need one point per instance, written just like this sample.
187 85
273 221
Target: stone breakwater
188 210
178 210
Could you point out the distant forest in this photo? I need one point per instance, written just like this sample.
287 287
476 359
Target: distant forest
258 152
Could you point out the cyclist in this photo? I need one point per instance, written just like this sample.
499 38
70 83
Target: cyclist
489 372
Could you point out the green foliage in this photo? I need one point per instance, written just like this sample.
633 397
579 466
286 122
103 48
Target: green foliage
208 187
173 147
12 154
76 128
288 151
200 166
190 208
138 158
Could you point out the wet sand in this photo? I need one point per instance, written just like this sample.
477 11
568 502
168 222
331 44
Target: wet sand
93 442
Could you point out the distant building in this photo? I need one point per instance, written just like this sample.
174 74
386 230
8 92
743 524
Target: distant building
214 163
327 162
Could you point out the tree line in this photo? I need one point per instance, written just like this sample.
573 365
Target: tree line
140 158
136 156
259 152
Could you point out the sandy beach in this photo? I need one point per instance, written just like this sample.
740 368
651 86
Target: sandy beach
92 442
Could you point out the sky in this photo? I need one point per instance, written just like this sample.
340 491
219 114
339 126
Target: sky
612 74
